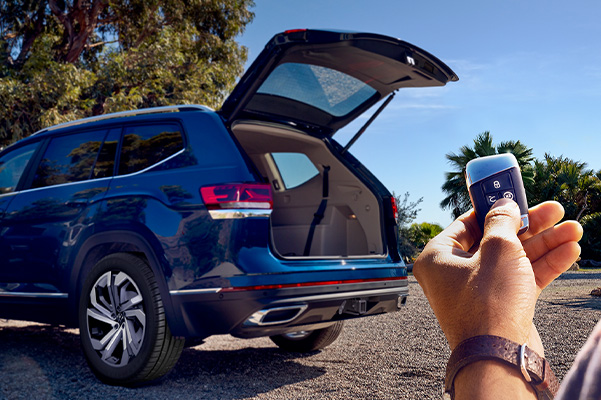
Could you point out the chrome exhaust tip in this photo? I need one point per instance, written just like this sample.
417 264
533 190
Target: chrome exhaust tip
275 316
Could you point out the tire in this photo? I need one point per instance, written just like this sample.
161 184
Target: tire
308 341
124 334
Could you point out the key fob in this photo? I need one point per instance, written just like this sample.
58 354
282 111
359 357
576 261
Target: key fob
491 178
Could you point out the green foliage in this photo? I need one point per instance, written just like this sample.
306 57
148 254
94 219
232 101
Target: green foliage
591 239
63 59
420 234
412 236
458 199
569 182
407 212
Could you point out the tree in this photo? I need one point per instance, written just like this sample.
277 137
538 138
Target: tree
458 199
420 234
67 59
591 239
406 213
569 182
578 189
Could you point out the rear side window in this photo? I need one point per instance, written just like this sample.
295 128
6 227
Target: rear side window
69 159
295 168
12 166
146 145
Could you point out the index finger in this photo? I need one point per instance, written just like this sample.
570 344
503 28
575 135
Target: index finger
542 217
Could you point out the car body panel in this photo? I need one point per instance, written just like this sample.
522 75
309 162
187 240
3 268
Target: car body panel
40 227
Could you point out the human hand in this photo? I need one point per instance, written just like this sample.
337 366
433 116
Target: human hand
490 286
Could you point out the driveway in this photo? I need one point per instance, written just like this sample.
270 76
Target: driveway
395 356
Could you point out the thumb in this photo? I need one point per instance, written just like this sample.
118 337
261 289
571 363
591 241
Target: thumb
500 249
503 219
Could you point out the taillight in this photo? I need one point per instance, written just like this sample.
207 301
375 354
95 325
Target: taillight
237 196
395 208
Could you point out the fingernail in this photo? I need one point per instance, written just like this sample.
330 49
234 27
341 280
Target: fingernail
503 202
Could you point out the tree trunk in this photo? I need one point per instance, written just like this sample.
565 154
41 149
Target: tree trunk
32 34
79 23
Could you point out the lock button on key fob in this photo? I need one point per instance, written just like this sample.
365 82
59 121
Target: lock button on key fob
492 178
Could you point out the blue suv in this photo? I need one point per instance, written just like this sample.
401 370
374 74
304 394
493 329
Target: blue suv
156 228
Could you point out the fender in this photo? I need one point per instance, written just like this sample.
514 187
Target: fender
116 241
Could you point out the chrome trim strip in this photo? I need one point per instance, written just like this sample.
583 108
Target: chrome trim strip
257 318
228 213
402 290
8 194
477 169
55 186
152 166
359 293
194 291
524 223
130 113
35 295
358 257
98 179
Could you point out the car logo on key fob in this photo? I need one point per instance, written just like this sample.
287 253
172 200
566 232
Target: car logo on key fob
491 178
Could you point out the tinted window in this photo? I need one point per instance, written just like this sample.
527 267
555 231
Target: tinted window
12 166
329 90
105 164
69 159
144 146
295 168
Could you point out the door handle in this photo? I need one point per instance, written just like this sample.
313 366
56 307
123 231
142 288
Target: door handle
76 203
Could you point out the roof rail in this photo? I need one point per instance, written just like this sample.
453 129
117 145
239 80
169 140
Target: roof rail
141 111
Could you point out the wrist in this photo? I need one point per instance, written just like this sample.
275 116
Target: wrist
533 369
466 331
491 379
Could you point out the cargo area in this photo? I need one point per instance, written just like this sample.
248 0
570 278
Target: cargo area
308 182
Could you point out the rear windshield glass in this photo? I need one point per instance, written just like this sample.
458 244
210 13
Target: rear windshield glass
329 90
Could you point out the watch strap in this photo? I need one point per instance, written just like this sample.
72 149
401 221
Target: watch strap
535 369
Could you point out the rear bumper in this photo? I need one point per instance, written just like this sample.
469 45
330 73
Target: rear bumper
263 310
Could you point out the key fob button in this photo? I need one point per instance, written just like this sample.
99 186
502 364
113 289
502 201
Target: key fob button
491 198
509 194
498 183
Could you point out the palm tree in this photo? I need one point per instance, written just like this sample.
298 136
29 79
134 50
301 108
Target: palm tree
421 234
570 183
458 199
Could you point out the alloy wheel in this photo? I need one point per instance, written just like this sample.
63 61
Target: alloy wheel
116 320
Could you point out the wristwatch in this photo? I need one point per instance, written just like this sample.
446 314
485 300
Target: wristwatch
535 369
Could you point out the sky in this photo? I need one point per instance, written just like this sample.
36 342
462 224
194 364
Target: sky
529 70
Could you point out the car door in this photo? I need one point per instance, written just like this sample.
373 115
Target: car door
322 80
57 205
13 163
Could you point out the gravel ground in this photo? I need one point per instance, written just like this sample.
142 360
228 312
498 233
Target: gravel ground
395 356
